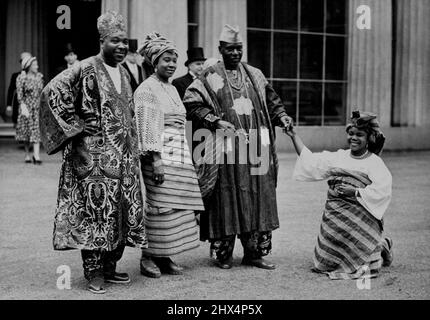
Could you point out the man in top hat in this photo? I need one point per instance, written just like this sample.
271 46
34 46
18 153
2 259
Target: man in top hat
130 64
194 64
235 98
70 57
87 111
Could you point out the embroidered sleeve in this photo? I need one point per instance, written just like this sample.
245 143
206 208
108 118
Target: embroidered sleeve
149 120
58 119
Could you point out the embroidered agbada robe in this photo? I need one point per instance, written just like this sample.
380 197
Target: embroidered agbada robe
241 202
350 241
99 202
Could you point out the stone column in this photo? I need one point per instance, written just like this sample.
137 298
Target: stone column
213 15
370 60
412 63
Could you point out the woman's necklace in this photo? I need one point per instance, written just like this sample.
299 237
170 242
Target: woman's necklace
176 103
360 157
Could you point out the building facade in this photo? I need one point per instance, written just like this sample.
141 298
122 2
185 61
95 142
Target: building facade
325 58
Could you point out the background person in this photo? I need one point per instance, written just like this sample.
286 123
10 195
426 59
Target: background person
351 243
131 65
29 86
194 64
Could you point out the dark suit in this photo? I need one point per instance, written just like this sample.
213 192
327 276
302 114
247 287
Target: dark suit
182 84
12 97
133 82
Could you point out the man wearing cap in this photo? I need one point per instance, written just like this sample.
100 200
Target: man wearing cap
236 98
70 57
130 64
87 111
194 64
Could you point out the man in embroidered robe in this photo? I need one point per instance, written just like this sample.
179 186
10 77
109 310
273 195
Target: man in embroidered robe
235 97
87 111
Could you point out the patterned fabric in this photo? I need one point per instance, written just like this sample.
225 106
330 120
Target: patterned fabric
241 201
350 240
99 198
99 263
28 92
170 220
255 245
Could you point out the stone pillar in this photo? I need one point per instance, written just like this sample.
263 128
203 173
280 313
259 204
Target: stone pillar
169 17
370 60
213 15
412 63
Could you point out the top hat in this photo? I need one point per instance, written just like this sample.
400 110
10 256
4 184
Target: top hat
132 45
194 54
68 49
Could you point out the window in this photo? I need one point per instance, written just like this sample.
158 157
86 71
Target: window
193 23
300 46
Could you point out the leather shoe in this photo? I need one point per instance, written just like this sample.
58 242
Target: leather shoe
149 268
225 264
117 278
95 285
167 266
259 263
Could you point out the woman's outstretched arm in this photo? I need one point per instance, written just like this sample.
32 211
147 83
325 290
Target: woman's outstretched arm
297 141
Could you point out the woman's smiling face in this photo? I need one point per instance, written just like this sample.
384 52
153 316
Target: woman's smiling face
357 140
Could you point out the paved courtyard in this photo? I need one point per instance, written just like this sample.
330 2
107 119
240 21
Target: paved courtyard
28 267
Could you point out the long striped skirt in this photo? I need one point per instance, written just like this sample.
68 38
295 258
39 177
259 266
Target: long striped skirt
350 241
171 226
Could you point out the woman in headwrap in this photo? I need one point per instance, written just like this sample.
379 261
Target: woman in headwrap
29 86
351 243
172 190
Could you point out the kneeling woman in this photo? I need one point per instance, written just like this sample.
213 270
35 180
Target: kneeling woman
172 190
350 244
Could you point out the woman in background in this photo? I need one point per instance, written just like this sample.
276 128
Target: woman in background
350 244
29 86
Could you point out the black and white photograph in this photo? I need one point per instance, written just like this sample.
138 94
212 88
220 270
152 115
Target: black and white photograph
233 151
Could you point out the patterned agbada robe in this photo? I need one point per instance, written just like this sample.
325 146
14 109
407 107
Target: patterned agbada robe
241 202
99 197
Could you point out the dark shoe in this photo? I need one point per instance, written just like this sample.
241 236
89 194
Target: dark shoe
95 285
167 266
149 268
387 253
225 264
259 263
36 161
27 160
117 278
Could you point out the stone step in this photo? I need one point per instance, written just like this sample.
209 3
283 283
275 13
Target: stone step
7 130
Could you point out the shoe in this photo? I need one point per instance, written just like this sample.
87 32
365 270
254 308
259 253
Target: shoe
27 160
225 264
95 285
149 268
36 161
387 253
117 278
259 263
167 266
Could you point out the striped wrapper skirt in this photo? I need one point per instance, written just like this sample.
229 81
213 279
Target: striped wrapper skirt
350 241
171 226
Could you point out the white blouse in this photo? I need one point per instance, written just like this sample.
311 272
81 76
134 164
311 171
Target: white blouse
375 197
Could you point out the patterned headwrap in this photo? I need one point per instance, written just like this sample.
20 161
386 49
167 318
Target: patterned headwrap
154 46
367 121
109 23
26 62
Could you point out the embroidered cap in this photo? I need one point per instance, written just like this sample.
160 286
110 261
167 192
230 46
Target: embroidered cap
230 34
109 23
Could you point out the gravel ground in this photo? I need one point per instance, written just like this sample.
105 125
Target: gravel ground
28 268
